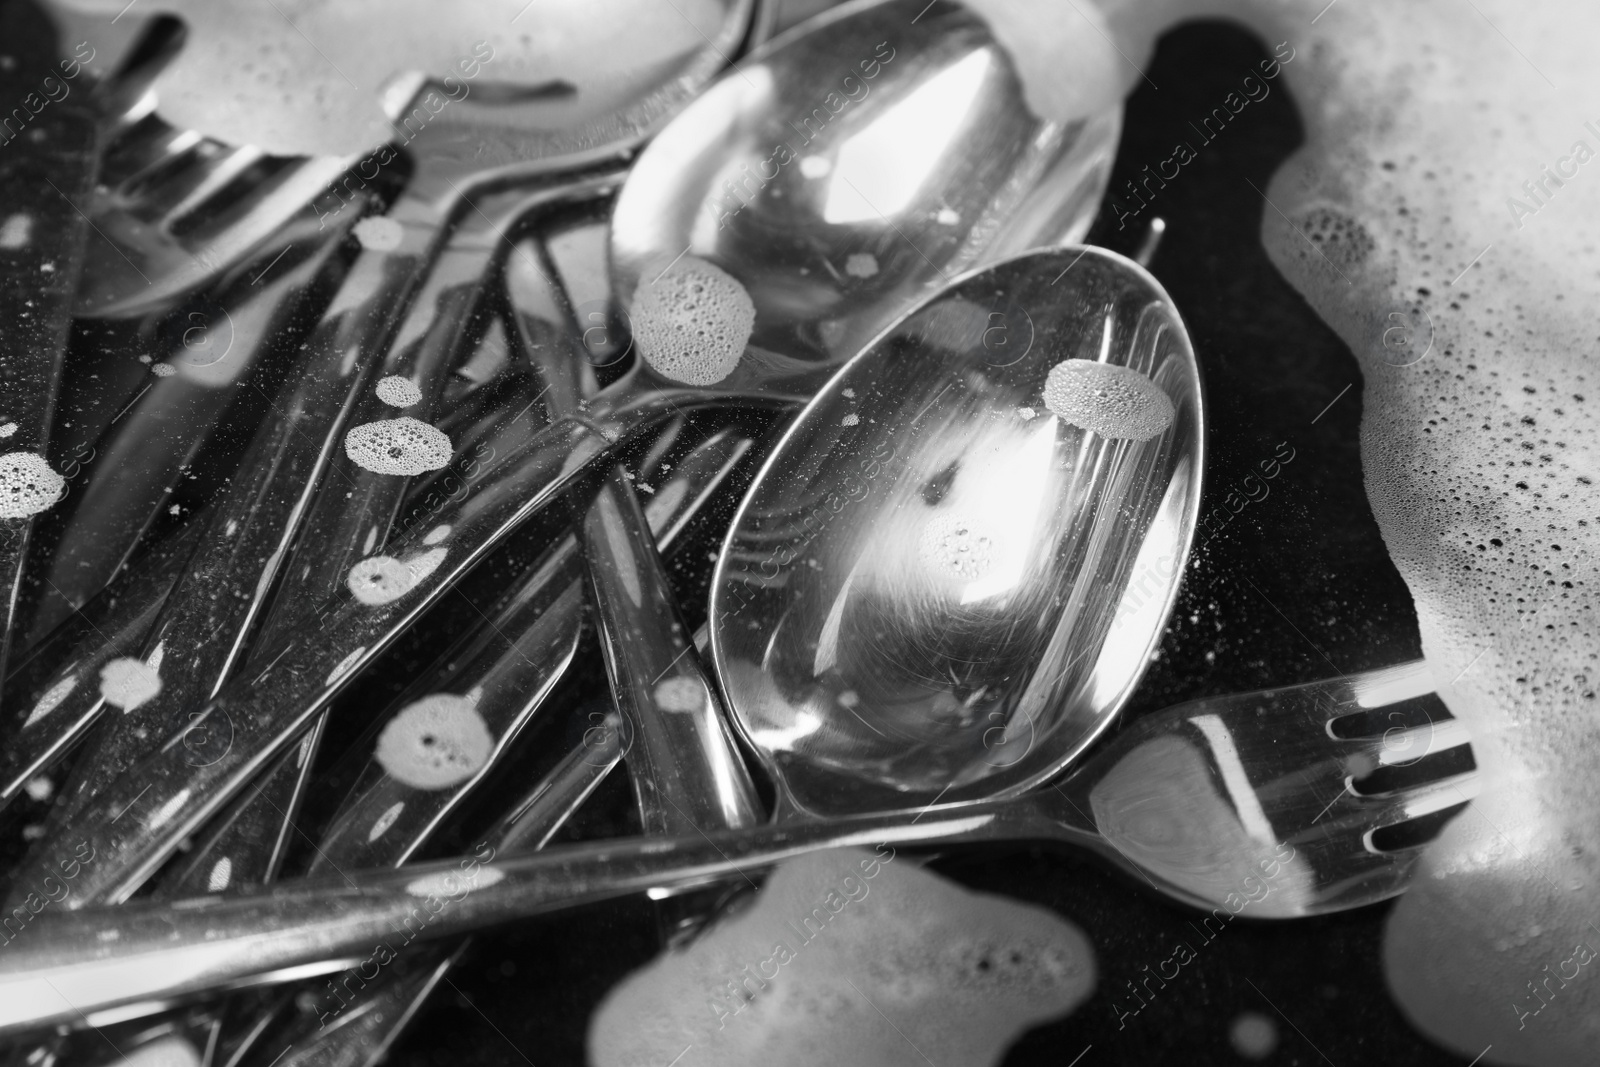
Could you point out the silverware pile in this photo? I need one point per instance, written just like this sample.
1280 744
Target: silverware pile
545 356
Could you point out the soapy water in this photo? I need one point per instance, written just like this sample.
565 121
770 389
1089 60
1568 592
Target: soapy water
28 485
1110 400
398 392
1479 460
799 977
403 446
127 683
434 743
51 700
691 323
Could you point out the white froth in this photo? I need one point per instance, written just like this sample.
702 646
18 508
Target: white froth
454 884
384 579
163 370
1112 401
434 743
52 699
679 694
126 683
403 446
861 265
221 874
692 322
7 429
379 233
27 485
381 824
162 1052
1480 459
39 788
398 391
16 231
1063 55
958 546
800 977
305 77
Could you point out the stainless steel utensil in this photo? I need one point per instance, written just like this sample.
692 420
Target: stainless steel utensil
468 148
1239 805
176 797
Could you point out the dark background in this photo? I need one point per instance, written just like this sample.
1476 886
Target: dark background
1297 586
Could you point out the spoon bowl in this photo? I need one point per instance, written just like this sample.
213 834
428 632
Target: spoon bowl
940 589
847 169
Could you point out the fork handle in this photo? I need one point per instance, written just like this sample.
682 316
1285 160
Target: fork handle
66 963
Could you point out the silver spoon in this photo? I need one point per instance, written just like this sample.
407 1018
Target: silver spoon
161 799
1220 803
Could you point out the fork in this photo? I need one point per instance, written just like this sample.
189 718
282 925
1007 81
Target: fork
1244 804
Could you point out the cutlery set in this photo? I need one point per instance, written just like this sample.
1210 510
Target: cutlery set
922 621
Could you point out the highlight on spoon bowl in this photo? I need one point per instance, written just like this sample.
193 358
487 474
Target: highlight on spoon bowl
950 574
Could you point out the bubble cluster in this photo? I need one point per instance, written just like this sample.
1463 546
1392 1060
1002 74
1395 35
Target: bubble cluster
398 391
1112 401
380 580
679 694
27 485
434 743
51 700
957 546
378 233
798 978
126 683
693 322
403 446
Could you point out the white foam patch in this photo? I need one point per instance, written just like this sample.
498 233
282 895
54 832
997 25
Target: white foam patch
693 322
163 1052
452 883
403 446
344 666
39 788
861 265
127 682
679 694
1480 459
958 546
1063 55
8 429
381 824
826 948
384 579
397 391
378 233
27 485
163 370
1112 401
304 78
16 231
434 743
52 699
221 874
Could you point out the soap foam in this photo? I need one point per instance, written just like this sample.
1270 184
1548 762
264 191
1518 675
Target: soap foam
1062 54
398 392
957 546
126 683
383 579
692 322
379 233
27 485
434 743
679 694
259 72
1107 399
1480 459
834 938
404 446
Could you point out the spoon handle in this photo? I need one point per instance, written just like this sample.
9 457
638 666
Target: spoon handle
66 963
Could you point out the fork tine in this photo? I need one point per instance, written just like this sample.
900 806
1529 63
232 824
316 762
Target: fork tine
214 178
1395 747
